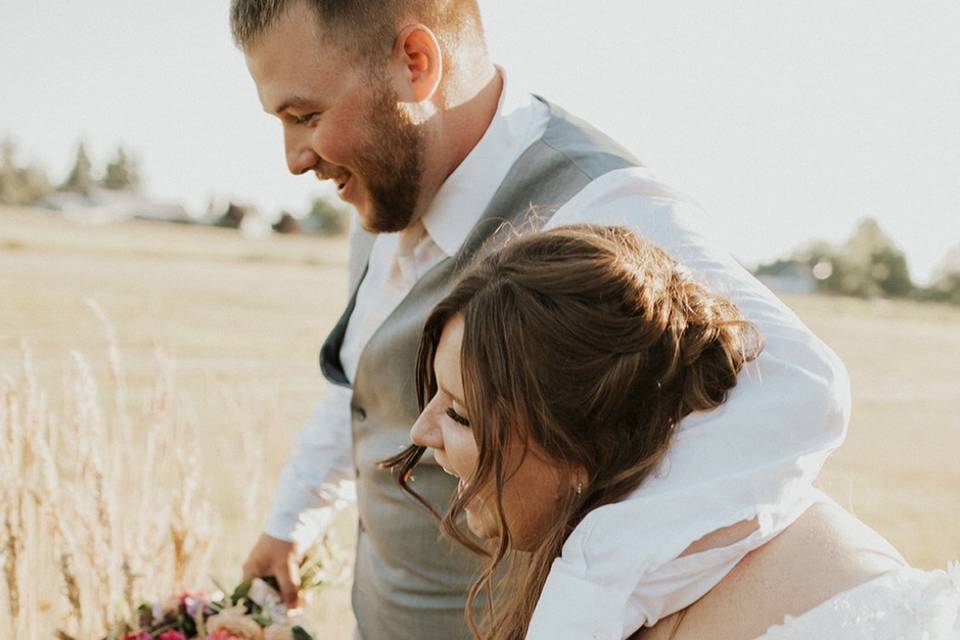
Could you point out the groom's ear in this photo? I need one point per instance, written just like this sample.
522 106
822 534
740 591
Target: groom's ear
416 64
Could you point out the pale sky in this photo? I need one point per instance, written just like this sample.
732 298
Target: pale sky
787 120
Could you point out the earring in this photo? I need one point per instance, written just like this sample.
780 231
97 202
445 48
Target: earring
580 487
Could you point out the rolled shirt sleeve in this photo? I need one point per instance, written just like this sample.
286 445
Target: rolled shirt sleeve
321 456
756 455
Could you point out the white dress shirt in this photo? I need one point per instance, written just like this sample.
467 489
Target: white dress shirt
755 456
322 453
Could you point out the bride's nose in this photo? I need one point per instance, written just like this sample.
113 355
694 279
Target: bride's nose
426 430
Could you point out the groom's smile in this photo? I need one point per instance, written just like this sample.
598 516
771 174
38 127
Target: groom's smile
342 120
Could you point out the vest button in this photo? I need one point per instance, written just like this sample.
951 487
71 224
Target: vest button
359 413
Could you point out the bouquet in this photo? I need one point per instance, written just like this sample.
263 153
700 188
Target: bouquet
255 611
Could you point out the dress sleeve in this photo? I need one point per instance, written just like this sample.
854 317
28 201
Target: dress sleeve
321 456
755 456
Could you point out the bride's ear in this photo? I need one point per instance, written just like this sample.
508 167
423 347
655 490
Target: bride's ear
577 481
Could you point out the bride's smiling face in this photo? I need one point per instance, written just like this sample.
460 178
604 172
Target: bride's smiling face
533 484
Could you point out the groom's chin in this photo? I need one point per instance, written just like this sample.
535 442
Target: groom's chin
376 219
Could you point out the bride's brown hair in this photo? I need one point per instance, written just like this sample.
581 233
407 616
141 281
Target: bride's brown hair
592 344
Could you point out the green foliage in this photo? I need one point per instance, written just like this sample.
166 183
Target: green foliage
233 217
869 265
946 280
241 591
122 174
945 289
327 219
80 179
300 634
20 185
287 223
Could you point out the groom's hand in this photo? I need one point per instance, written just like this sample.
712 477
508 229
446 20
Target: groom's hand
277 558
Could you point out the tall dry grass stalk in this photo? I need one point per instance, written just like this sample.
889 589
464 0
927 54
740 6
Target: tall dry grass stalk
103 508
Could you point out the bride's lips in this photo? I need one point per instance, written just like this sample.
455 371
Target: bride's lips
461 485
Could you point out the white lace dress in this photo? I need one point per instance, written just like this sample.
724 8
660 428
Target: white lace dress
908 604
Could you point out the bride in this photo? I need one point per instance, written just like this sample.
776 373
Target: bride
551 381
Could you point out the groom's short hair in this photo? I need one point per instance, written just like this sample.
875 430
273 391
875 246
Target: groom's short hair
364 27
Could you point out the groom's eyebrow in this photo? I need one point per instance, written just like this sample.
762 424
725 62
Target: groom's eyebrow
293 101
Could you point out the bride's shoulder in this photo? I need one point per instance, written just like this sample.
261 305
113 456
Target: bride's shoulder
825 552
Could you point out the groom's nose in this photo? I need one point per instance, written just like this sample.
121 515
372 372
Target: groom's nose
426 430
300 156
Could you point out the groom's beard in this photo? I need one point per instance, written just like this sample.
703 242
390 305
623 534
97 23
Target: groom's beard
391 165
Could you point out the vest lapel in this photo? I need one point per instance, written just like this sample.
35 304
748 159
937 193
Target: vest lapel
330 363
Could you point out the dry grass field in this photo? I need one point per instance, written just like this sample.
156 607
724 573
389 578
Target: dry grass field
899 469
243 321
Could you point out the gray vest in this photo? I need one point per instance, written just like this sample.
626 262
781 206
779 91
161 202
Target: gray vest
409 583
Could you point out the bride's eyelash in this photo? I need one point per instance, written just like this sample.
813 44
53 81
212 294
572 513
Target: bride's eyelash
456 417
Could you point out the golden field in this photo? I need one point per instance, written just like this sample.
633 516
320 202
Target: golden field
242 321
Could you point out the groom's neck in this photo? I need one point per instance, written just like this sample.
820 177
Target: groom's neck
459 125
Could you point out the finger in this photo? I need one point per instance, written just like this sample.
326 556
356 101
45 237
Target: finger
289 580
254 566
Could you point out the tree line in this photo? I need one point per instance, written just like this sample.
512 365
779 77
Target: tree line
28 184
23 184
868 265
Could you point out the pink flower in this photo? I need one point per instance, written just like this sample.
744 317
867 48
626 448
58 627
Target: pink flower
171 635
137 635
223 634
192 602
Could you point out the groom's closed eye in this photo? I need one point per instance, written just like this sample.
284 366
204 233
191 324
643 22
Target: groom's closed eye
456 417
304 119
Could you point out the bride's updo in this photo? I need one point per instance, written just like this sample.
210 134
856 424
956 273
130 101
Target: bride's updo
592 345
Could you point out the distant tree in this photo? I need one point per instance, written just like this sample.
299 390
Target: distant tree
286 224
773 268
233 217
949 265
122 174
20 185
327 218
891 273
867 266
873 265
34 185
945 286
8 172
80 179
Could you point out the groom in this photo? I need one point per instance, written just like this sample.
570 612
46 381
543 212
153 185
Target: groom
400 106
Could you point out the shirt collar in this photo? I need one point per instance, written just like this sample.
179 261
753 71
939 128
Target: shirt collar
461 200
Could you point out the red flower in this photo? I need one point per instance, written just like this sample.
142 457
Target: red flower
171 635
137 635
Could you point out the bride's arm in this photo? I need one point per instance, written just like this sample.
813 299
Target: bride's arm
754 457
825 552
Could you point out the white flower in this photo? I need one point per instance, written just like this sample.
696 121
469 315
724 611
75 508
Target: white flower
235 621
268 599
